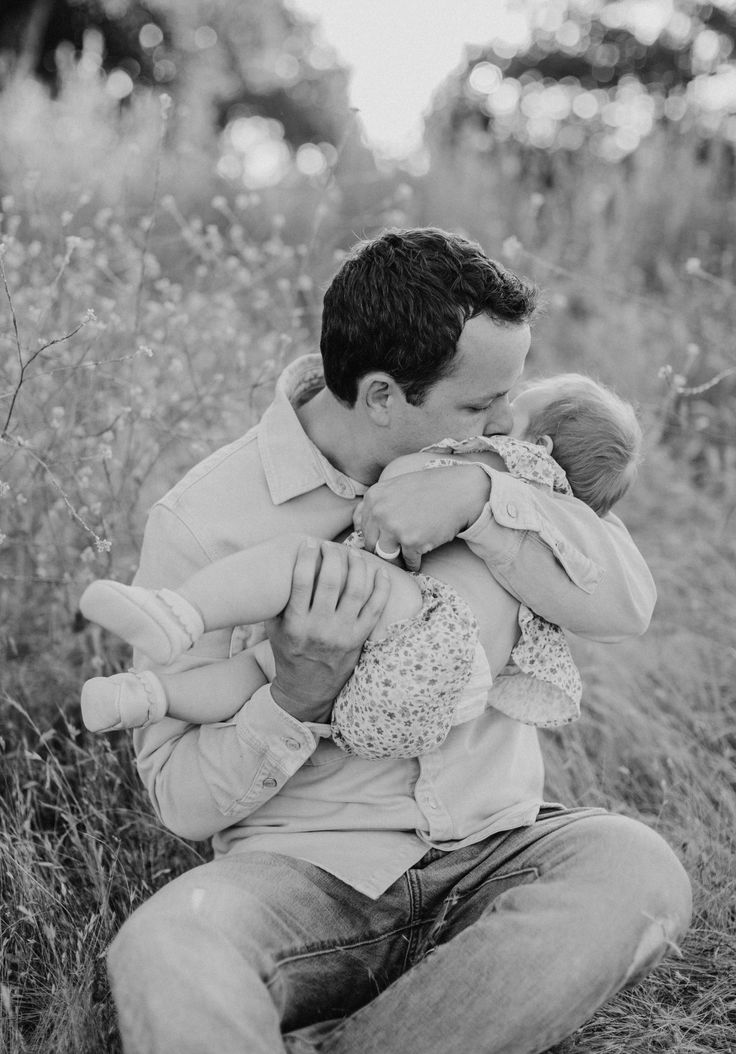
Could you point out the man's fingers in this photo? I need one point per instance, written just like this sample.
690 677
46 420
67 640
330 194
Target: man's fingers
357 585
376 601
303 576
412 559
333 573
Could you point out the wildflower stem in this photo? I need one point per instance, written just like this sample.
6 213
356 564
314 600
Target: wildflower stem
152 220
101 544
707 385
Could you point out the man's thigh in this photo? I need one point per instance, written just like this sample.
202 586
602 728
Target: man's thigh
586 874
320 948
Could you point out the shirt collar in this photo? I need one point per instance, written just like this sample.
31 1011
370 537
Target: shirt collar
292 463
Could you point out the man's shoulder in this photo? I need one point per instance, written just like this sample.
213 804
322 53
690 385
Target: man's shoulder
233 466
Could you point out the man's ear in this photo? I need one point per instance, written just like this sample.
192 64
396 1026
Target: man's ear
546 442
377 392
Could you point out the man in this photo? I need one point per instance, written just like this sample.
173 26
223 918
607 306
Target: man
413 905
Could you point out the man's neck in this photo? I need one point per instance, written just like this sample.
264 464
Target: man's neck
334 430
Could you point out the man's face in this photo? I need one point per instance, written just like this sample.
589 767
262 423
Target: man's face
473 400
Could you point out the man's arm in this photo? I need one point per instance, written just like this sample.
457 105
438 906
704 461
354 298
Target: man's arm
548 550
204 778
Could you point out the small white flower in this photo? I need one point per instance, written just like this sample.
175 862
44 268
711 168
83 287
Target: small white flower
102 545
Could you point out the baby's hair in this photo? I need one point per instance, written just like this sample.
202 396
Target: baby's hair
596 437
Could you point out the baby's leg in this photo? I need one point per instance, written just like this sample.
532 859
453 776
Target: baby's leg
252 585
213 693
200 696
249 586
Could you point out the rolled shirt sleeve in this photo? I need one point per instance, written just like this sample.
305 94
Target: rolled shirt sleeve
572 567
203 778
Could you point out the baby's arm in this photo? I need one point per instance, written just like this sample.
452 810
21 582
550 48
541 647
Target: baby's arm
400 466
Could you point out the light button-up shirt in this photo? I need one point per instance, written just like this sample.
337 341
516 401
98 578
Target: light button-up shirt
265 780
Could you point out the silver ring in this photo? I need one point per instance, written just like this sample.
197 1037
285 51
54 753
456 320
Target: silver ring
384 555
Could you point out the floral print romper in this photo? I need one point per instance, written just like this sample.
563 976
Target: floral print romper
430 671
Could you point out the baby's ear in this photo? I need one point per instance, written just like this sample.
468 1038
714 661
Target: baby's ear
546 442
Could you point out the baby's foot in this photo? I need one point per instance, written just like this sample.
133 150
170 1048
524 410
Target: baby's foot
159 622
125 700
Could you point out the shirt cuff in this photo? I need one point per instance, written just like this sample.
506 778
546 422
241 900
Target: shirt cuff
278 743
507 507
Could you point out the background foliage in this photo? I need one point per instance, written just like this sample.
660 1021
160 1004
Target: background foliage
177 183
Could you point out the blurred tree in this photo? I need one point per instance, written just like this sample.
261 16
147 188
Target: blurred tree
595 72
242 58
31 32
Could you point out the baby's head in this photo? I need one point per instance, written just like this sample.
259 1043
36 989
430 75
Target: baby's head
592 434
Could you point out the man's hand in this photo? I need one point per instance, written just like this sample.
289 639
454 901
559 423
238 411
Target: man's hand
336 600
421 510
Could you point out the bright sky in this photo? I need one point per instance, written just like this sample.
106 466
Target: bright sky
401 50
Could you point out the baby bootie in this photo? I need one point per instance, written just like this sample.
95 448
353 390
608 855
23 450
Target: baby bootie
159 622
125 700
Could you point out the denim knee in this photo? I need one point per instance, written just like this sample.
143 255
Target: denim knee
653 891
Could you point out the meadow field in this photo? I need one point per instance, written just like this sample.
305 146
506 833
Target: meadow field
146 307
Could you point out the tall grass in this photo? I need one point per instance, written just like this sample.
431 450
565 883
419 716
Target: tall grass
199 294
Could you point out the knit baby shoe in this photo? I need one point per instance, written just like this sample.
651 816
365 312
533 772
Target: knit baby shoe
125 700
159 622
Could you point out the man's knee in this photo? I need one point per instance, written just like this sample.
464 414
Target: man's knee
650 888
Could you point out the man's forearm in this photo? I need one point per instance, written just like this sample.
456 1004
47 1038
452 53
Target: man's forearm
204 778
555 555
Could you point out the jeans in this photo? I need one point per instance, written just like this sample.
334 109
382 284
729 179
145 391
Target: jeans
505 946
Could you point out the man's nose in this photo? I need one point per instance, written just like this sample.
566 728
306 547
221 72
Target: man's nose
501 421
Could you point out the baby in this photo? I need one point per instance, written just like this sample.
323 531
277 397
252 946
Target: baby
424 667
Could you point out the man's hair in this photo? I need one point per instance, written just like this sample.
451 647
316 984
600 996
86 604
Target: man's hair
399 303
596 435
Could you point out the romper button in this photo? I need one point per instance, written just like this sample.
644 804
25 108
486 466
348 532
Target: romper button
511 510
292 744
269 782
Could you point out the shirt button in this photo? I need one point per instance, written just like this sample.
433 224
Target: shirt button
511 510
431 803
269 782
292 744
